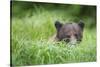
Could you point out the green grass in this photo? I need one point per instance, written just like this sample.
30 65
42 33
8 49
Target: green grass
30 45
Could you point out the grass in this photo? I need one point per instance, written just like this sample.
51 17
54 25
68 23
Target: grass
30 45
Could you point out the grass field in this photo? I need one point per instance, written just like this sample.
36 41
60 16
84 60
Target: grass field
30 45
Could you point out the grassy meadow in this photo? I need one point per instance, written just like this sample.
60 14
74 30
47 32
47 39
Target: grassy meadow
32 25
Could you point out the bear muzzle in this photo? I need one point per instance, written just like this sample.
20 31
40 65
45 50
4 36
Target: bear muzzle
72 40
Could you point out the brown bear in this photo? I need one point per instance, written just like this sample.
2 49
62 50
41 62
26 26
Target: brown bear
70 32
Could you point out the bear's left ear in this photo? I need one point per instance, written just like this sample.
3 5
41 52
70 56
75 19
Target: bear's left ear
58 25
81 24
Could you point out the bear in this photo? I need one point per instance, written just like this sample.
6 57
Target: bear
71 33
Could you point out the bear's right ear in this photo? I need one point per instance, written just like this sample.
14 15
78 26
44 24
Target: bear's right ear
58 25
81 24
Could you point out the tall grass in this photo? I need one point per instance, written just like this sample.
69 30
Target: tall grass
30 45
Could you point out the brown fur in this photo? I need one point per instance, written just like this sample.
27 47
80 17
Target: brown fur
69 32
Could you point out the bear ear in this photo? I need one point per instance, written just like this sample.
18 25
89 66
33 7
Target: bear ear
81 24
58 25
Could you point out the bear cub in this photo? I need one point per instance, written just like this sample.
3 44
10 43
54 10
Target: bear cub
70 32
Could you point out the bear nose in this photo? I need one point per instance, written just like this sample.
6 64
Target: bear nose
73 40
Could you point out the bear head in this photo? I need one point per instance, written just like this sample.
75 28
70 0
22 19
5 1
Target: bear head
70 32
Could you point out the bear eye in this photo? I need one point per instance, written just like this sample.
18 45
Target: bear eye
75 35
68 36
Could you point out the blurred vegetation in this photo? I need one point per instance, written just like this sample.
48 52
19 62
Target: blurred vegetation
32 24
86 13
